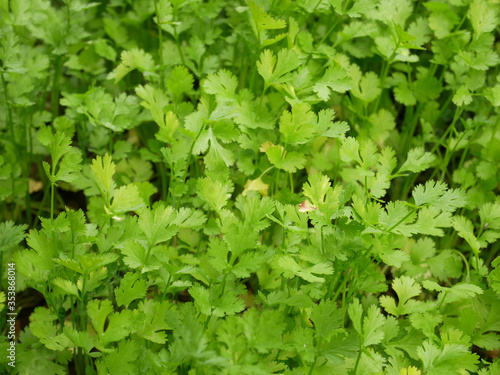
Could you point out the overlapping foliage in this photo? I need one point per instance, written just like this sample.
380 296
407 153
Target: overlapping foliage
252 187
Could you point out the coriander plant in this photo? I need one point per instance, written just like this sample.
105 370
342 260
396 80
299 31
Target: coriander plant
250 187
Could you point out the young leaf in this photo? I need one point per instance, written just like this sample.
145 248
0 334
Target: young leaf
418 160
130 289
406 288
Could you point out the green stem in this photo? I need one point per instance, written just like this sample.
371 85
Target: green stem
28 172
458 113
332 284
329 31
465 262
358 358
54 96
276 182
385 72
52 188
412 126
42 204
313 364
163 176
447 156
68 16
83 323
160 46
403 219
1 268
342 286
191 151
10 125
176 37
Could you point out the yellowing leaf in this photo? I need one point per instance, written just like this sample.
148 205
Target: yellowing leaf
410 371
256 185
266 145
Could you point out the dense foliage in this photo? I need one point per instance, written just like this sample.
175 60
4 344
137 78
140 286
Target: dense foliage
251 187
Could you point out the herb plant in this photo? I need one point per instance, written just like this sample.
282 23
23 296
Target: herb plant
251 187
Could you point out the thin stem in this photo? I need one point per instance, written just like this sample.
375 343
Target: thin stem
28 172
42 204
329 31
176 37
10 125
52 201
68 16
267 170
358 358
313 364
465 262
402 220
54 96
447 157
160 46
458 113
332 284
342 286
385 72
191 151
163 175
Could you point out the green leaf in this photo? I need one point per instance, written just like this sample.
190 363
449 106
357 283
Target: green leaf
131 60
126 198
349 150
451 359
462 96
373 324
396 218
455 293
316 188
154 322
80 339
367 87
288 161
213 192
437 194
163 12
417 160
42 326
493 95
275 70
130 289
336 79
179 81
223 85
156 224
262 21
406 288
136 256
104 169
327 319
154 100
483 16
465 229
121 361
11 235
65 159
298 126
210 304
290 268
430 221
